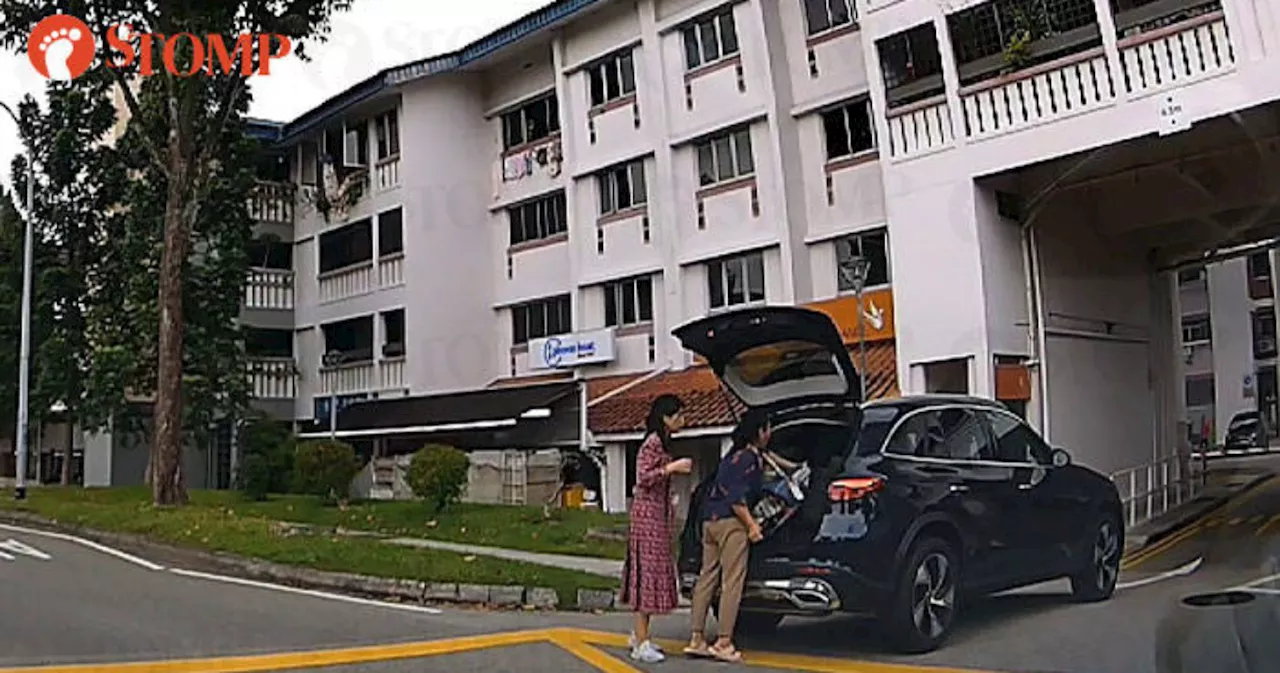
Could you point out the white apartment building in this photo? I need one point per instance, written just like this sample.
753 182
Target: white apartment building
1229 349
501 239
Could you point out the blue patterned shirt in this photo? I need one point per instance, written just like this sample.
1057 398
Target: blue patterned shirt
738 481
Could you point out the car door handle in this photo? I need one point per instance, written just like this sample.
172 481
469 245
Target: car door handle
958 488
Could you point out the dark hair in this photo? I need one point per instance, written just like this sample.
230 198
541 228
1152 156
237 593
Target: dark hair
749 427
663 406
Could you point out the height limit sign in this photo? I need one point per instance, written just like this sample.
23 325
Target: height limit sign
1173 117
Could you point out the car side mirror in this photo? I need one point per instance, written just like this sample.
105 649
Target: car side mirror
1060 458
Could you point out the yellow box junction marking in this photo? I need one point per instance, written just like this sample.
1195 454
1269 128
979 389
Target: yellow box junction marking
583 644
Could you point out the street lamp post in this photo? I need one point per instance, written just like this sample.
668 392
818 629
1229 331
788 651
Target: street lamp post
24 348
861 267
332 359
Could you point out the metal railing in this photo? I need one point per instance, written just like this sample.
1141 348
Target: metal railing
1151 489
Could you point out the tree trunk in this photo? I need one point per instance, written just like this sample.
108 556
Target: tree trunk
166 450
66 457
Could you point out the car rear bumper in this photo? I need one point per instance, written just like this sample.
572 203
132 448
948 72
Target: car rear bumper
806 591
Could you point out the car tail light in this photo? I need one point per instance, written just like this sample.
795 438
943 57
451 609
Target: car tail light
857 488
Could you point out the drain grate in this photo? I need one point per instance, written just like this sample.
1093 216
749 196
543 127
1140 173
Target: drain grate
1219 599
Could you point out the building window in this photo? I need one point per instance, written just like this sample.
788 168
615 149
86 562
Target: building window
309 163
1191 276
541 318
531 122
628 302
1259 266
391 232
353 338
1196 330
621 187
612 78
735 281
849 129
538 219
348 147
1199 391
387 130
823 15
981 33
710 39
393 333
270 253
348 246
1264 333
724 157
260 342
874 246
907 58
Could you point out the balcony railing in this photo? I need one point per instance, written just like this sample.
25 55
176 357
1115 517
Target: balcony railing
347 282
270 289
391 374
1177 54
355 377
1067 86
272 202
919 128
273 378
391 270
386 173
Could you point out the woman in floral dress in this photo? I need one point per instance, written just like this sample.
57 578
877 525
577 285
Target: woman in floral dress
649 574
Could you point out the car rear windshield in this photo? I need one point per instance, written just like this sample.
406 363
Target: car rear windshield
877 421
1242 422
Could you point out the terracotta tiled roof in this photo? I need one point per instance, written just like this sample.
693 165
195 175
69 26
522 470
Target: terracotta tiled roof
706 403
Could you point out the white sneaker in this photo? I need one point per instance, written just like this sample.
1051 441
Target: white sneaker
631 643
646 653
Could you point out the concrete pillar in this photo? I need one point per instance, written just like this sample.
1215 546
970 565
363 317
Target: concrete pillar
613 480
1163 357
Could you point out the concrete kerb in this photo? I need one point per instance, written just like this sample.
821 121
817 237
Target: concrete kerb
364 586
1147 534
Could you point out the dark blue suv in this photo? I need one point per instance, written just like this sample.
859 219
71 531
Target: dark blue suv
903 507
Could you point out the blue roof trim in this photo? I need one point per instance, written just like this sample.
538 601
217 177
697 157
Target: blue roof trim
394 76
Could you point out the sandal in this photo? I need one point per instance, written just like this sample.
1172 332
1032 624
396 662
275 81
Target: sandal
699 651
728 654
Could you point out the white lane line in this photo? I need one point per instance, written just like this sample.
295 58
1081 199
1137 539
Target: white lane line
1258 582
6 557
85 543
305 592
16 547
1260 590
1176 572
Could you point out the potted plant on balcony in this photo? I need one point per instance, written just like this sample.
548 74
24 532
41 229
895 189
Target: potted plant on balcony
1030 25
334 196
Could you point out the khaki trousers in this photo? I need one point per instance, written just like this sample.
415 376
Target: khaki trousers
724 559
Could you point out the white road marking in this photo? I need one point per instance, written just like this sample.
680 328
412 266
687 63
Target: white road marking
1258 582
16 547
85 543
6 557
304 592
1176 572
1260 590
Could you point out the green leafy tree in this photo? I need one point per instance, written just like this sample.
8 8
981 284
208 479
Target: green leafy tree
183 131
438 475
78 182
266 465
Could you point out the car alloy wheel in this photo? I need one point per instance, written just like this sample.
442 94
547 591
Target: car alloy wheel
1106 557
933 596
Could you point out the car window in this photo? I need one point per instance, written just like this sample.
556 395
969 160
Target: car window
920 434
1015 441
966 436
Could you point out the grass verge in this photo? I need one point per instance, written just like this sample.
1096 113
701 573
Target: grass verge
219 521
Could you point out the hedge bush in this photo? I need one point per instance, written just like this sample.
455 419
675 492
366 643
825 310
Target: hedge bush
438 475
324 468
266 462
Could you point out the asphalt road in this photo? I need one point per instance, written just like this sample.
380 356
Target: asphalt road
62 603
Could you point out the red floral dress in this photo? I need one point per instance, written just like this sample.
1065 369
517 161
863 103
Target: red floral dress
649 573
